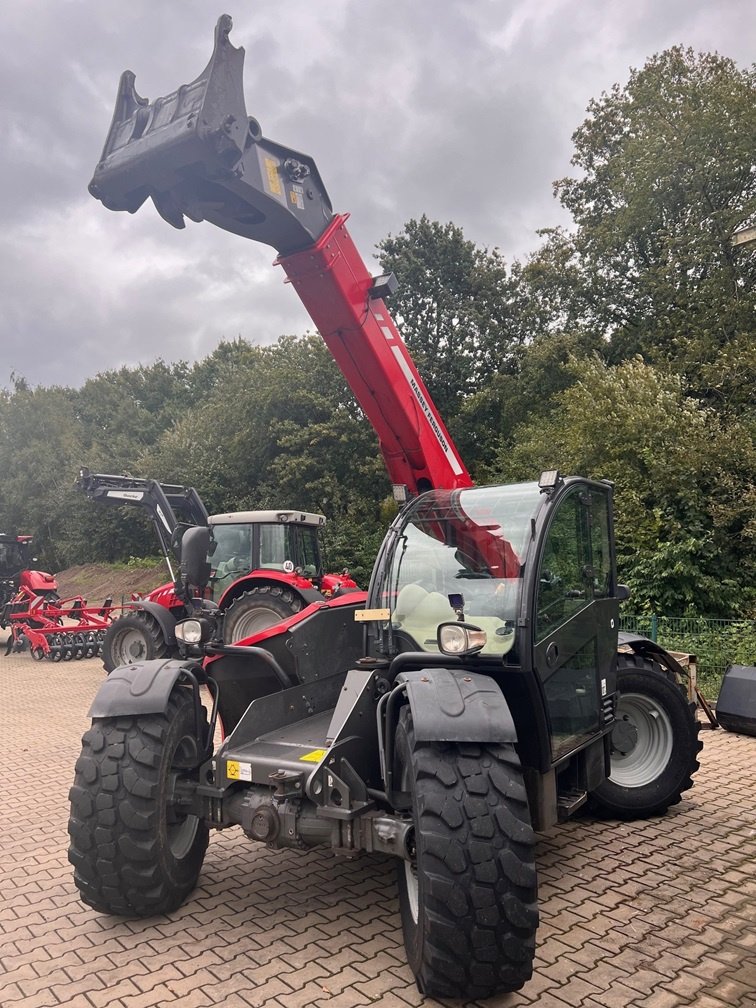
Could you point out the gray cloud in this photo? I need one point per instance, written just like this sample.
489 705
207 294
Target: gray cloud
462 111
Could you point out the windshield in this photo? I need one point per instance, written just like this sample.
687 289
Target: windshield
465 542
232 556
13 558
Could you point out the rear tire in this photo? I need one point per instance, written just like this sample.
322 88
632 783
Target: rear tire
469 898
135 850
257 609
137 636
655 743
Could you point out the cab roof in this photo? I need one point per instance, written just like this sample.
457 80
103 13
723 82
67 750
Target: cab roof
279 517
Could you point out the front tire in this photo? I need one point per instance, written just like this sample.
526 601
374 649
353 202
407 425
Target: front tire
654 742
135 850
137 636
257 609
468 898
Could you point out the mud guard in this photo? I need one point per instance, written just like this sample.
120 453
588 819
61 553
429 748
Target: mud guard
163 616
454 705
647 648
141 688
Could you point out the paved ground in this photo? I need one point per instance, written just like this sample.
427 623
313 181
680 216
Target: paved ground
658 914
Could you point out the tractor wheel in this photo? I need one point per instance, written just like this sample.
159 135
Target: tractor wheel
137 636
258 609
468 896
654 742
135 849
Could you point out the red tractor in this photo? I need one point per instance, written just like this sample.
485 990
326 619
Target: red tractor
264 566
18 575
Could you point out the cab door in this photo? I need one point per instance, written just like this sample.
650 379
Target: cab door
575 617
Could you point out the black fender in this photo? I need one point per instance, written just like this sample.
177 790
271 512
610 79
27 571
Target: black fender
308 595
164 617
647 648
455 705
141 688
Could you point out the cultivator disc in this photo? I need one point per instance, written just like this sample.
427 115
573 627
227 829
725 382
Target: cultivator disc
72 646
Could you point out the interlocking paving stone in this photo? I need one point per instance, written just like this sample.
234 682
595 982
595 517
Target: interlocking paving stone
655 914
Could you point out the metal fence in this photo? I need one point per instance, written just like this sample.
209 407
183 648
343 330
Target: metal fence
716 643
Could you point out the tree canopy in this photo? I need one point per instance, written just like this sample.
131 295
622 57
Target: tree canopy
667 177
623 348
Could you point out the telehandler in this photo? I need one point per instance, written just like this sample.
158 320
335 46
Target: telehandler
479 694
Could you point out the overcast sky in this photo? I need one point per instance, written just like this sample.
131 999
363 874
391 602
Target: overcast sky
459 109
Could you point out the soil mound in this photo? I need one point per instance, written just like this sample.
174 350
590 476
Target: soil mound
97 581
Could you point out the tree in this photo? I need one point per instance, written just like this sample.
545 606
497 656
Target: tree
684 483
457 306
40 445
667 176
122 412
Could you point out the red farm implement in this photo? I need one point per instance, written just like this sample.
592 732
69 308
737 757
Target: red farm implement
58 630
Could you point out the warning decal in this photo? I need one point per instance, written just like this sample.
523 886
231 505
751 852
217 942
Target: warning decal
238 771
271 172
315 756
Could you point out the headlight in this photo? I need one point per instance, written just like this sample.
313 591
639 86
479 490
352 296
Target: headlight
192 631
460 638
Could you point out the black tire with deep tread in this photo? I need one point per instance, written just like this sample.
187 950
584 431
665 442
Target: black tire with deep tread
138 622
277 600
640 677
476 882
133 852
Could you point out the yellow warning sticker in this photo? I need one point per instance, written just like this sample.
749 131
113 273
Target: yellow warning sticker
315 756
274 180
238 771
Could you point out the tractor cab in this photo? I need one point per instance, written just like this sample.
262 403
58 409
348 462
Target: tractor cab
283 542
516 581
15 555
455 556
17 571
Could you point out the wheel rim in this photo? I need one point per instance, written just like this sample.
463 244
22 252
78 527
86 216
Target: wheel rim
647 742
410 865
413 889
129 646
181 836
254 621
181 828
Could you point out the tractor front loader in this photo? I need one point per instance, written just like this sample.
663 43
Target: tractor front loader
478 694
265 566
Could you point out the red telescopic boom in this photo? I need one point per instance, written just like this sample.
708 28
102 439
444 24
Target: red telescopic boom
197 154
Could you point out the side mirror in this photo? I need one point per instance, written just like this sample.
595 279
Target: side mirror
195 570
622 593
